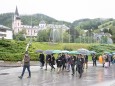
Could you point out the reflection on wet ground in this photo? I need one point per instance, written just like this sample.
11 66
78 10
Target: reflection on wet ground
91 76
2 68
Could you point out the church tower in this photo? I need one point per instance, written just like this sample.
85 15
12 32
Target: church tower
16 23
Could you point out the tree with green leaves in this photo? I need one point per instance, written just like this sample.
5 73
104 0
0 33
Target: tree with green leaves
43 36
74 33
20 36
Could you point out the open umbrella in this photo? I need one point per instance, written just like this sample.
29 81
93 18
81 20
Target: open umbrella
65 51
57 51
48 52
113 53
83 51
39 51
106 52
73 52
92 52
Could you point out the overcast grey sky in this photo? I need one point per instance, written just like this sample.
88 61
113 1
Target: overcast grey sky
67 10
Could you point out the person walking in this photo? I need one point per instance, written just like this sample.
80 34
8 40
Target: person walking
80 62
86 61
73 60
109 59
68 62
59 63
26 61
94 58
103 59
63 61
52 62
106 61
48 56
113 57
41 58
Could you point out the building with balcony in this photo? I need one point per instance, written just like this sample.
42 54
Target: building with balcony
30 30
5 32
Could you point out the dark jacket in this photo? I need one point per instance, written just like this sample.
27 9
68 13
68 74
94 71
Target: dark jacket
80 62
94 58
86 58
63 59
52 60
59 62
41 57
73 60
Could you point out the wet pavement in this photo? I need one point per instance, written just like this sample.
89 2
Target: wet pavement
93 76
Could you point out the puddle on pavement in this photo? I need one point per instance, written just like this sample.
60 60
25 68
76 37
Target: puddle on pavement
4 73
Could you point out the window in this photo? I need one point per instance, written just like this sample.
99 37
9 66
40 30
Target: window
31 32
34 31
3 35
2 30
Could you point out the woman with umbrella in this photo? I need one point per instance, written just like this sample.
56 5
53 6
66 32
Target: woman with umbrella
48 57
52 62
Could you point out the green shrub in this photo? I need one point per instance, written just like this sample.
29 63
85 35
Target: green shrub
33 56
100 49
11 50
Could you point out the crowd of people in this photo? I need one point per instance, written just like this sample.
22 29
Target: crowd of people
106 59
67 62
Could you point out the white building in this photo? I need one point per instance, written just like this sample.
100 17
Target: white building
32 30
5 32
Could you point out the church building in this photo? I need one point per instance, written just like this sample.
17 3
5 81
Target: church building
18 26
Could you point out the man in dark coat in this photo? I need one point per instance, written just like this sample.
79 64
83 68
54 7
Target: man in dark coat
52 62
73 60
41 58
94 58
63 61
80 62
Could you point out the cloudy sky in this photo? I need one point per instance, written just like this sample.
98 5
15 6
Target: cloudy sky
67 10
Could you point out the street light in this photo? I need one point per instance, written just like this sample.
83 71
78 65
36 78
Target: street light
62 32
53 33
28 44
69 35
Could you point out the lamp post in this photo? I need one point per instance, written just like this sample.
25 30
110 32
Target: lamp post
91 36
62 32
28 44
88 36
80 34
53 33
69 34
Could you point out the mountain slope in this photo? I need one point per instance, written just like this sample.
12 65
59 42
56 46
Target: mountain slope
6 19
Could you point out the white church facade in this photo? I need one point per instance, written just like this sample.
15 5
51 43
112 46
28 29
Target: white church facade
17 26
